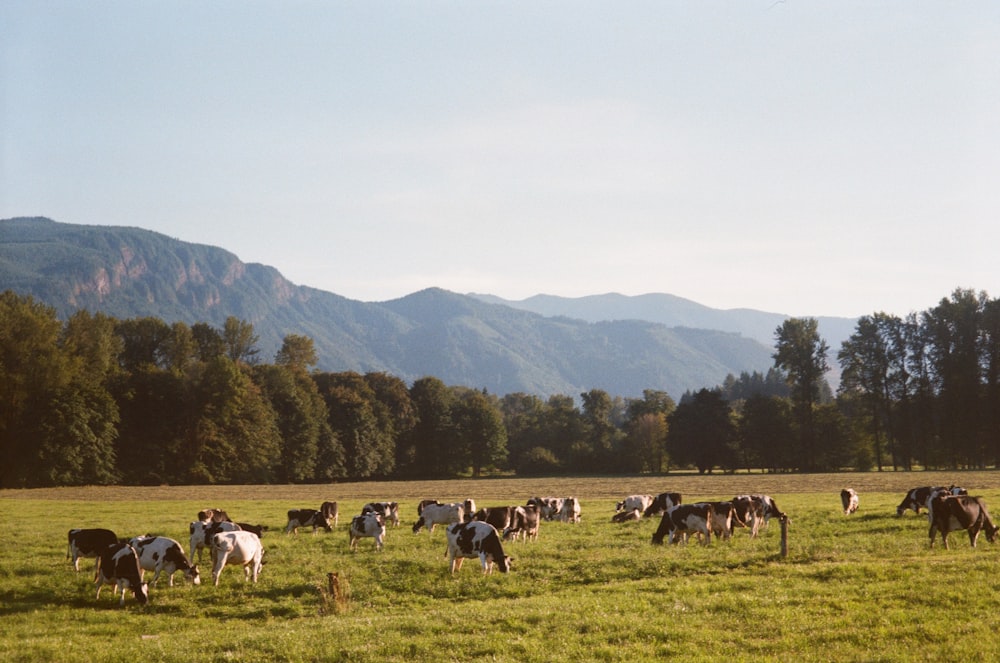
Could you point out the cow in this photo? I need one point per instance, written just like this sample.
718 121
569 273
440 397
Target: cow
661 504
634 502
849 500
767 509
331 512
118 565
917 498
237 547
202 532
370 524
570 512
524 524
722 519
88 543
470 508
625 516
256 529
685 519
950 513
439 514
498 516
161 554
476 539
748 512
549 507
422 504
388 510
215 515
306 518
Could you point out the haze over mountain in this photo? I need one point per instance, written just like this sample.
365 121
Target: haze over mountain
543 345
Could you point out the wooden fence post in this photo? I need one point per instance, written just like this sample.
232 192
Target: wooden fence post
784 535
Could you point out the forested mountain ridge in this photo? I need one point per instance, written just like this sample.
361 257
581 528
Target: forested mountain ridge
131 272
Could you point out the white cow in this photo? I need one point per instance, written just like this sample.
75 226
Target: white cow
159 553
635 502
369 524
849 500
439 514
202 531
239 547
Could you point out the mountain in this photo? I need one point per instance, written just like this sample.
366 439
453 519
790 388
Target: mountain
463 340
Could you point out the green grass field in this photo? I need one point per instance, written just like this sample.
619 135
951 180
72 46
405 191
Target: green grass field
859 588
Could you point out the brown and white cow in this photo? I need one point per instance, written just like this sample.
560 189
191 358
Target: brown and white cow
331 512
162 554
950 513
388 510
118 565
215 515
723 514
237 548
754 510
524 524
498 516
307 518
476 539
549 507
683 520
849 500
570 511
439 514
661 504
368 525
88 543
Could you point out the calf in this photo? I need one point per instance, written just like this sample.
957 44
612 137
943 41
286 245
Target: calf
237 547
306 518
685 519
634 502
331 512
371 524
159 554
388 510
498 516
950 513
88 543
202 532
524 524
849 500
439 514
661 504
118 565
570 512
476 539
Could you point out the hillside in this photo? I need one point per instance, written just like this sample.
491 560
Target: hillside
131 272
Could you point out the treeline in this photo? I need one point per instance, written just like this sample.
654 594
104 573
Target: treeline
99 400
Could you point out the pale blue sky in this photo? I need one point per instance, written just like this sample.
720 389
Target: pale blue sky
808 158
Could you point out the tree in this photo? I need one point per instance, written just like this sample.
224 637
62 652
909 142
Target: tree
297 352
702 433
479 432
600 436
240 341
767 437
801 354
647 430
429 439
301 419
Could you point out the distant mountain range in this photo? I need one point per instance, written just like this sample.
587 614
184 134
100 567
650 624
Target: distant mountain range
543 345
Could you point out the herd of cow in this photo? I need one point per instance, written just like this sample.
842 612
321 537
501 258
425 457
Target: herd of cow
472 532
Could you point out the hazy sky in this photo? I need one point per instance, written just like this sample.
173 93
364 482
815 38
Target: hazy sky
801 157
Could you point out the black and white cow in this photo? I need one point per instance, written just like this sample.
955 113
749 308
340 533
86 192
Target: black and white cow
118 565
202 532
331 512
88 543
722 519
661 504
388 510
215 515
524 524
634 503
683 520
476 539
626 516
549 507
498 516
161 554
237 547
849 500
256 529
950 513
749 513
422 504
570 511
370 524
439 514
918 498
306 518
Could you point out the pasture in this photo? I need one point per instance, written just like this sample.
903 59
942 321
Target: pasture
860 588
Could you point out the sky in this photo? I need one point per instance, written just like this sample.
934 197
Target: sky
799 157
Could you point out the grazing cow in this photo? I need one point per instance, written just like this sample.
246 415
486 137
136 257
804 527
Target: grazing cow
215 515
498 516
202 532
625 516
476 539
570 512
256 529
685 519
439 514
524 524
371 524
748 513
917 498
422 504
331 512
306 518
661 504
722 519
634 502
549 507
950 513
238 547
388 510
118 565
88 543
849 500
160 554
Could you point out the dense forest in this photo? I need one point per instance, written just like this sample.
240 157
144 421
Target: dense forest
99 400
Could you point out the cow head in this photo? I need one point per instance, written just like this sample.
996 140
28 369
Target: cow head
141 593
991 532
193 575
